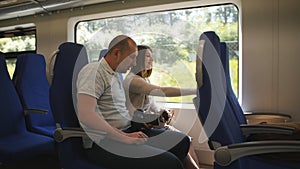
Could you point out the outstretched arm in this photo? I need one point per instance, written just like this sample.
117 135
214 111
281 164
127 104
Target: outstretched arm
139 85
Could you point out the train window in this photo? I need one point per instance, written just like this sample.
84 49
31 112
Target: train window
17 41
173 35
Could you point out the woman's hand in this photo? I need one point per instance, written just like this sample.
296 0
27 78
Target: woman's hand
167 116
170 115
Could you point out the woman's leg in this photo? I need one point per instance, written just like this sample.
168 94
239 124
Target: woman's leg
193 154
191 161
113 155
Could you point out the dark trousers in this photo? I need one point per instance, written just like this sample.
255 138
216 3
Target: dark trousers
164 150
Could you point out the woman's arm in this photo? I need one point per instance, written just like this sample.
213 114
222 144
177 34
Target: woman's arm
139 85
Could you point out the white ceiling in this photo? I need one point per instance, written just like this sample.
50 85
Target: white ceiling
18 8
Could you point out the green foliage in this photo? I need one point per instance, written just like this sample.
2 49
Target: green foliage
180 74
11 64
174 33
18 43
234 74
173 37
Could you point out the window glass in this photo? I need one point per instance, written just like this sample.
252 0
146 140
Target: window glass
11 64
173 36
18 43
15 42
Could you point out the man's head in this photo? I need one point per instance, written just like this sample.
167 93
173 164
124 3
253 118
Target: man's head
122 52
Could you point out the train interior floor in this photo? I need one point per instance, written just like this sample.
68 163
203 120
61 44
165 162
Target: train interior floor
49 162
40 162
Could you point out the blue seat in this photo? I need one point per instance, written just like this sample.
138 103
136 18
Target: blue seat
103 53
70 59
224 57
226 137
16 143
33 88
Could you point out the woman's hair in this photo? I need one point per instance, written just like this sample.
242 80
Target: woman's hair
139 68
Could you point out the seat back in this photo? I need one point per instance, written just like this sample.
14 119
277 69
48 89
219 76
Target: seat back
232 99
33 88
212 94
11 116
224 128
213 108
69 60
103 53
16 142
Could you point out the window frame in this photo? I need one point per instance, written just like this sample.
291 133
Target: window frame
127 12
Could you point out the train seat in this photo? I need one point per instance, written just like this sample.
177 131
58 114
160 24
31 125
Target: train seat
33 88
222 126
69 60
103 53
17 143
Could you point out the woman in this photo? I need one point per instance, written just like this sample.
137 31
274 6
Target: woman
139 90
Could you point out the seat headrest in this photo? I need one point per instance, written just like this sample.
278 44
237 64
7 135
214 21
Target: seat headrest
103 53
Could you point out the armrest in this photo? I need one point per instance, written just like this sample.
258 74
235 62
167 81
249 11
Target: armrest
61 134
226 154
36 111
263 128
266 117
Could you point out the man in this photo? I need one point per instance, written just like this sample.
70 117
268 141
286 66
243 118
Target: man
101 106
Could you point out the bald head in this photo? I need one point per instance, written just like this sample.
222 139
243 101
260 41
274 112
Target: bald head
122 51
121 42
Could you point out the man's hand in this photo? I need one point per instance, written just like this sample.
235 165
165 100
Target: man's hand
135 138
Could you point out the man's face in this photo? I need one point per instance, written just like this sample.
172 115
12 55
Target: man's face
128 59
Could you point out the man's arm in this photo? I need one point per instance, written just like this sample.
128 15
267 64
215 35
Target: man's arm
88 116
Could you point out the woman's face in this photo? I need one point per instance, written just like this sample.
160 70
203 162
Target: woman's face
148 59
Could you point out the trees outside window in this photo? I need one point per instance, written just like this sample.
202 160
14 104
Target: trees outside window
173 35
14 42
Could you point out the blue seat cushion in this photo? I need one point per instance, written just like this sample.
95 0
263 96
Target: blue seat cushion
23 146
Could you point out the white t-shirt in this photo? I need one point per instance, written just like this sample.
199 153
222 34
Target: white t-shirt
97 79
